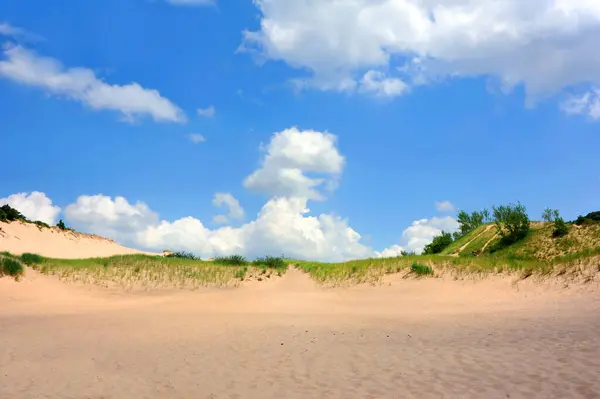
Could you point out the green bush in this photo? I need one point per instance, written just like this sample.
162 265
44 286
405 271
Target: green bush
438 244
232 260
11 267
512 223
272 262
31 259
9 214
41 224
61 225
421 270
183 255
592 217
469 222
560 228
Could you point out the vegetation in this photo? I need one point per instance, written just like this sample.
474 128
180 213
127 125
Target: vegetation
560 228
438 244
550 215
61 225
232 260
590 218
183 255
9 214
31 259
469 222
10 267
512 223
421 270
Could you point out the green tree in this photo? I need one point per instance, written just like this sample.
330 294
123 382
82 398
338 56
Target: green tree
438 244
560 228
469 222
512 222
9 214
548 215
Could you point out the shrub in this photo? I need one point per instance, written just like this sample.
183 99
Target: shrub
512 222
9 214
592 217
560 228
272 262
61 225
438 244
408 253
183 255
469 222
241 274
11 267
31 259
550 215
421 270
232 260
41 224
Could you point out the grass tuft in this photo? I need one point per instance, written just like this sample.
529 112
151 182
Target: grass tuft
231 260
421 270
183 255
11 267
31 259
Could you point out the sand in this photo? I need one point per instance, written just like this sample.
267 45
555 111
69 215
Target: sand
18 237
288 338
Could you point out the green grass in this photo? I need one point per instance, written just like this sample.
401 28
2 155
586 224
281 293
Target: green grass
421 270
477 244
31 259
232 260
10 267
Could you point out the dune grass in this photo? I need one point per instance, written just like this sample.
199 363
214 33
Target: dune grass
9 266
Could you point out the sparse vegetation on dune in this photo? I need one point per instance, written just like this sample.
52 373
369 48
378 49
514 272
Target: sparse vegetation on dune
10 266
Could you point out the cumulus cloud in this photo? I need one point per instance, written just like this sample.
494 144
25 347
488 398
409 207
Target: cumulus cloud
283 226
34 206
81 84
377 83
445 207
587 104
232 205
290 157
546 45
196 138
207 112
421 233
113 218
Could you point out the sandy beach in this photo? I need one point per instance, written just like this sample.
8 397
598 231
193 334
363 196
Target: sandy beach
289 338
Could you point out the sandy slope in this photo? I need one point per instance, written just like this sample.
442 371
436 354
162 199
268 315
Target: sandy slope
18 238
288 338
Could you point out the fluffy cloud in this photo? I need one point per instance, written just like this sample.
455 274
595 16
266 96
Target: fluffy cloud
207 112
586 104
290 156
234 209
81 84
381 86
546 45
445 207
281 227
116 219
421 233
196 138
34 206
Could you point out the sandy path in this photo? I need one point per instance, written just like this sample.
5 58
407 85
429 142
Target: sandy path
290 339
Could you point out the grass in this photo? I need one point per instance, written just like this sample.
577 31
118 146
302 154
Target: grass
10 266
421 270
31 259
183 255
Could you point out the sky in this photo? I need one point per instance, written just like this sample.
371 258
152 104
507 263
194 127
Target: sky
321 129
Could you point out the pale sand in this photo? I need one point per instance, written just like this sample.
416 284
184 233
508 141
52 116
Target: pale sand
18 237
288 338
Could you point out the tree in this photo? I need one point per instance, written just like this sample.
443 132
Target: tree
467 223
438 244
547 215
61 225
10 214
560 228
512 222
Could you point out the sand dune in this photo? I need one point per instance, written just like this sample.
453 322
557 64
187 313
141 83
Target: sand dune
288 338
18 237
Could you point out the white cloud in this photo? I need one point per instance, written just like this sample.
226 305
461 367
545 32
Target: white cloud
381 86
281 227
207 112
9 30
116 219
34 206
391 252
290 156
234 209
546 45
445 207
421 233
81 84
191 3
196 138
586 104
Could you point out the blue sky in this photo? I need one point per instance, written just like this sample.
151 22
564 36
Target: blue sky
395 106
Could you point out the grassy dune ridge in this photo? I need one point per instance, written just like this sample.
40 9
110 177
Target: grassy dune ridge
575 256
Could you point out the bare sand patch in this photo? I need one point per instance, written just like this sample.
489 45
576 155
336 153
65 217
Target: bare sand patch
289 338
19 237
